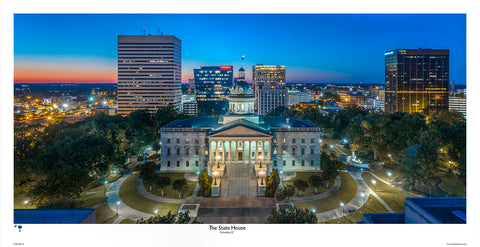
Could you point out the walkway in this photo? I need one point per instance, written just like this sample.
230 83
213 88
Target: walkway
336 186
143 192
124 211
357 202
394 186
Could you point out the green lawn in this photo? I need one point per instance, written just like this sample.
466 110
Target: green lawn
346 193
128 221
453 185
305 176
94 198
393 197
131 198
18 202
169 192
397 175
371 207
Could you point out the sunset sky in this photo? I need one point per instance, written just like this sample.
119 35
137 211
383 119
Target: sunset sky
313 47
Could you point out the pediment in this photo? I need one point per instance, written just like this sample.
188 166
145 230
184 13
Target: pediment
240 131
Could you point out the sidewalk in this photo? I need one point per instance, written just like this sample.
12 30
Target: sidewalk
124 211
356 203
331 191
394 186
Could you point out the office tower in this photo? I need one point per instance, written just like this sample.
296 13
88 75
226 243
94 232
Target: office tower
212 86
416 80
296 97
458 103
191 86
149 72
269 87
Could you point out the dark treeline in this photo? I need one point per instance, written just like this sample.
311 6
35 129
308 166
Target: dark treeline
62 160
417 142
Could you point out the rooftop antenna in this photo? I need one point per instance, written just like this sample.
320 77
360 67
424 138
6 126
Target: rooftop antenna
243 58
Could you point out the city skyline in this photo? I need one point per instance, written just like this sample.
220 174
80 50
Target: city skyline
314 47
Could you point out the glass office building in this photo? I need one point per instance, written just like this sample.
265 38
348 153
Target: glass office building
416 80
212 86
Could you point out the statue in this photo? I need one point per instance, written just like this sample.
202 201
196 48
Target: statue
353 156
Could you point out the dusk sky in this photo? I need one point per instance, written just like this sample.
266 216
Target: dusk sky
314 47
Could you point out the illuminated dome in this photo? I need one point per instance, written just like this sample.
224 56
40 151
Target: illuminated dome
241 88
241 99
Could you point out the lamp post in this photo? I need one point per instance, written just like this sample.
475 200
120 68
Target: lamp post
343 209
363 195
390 175
155 211
218 161
118 203
374 183
215 175
313 210
260 158
26 203
261 175
281 174
105 190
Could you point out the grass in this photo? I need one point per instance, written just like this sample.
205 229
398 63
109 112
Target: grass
128 221
94 198
371 206
393 197
453 185
346 193
397 175
305 176
169 192
133 199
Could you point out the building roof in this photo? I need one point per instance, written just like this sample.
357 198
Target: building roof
268 122
443 209
51 216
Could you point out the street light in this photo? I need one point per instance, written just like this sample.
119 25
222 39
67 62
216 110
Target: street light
390 175
313 210
26 203
118 203
344 140
331 145
363 195
260 158
105 190
215 175
281 174
343 209
198 173
156 211
261 175
374 183
389 155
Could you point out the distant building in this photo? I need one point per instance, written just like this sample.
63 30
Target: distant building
149 72
189 105
191 86
425 210
458 103
416 80
212 86
269 87
54 216
296 97
381 100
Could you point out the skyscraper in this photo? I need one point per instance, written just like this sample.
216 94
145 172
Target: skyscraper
212 86
416 80
269 87
149 72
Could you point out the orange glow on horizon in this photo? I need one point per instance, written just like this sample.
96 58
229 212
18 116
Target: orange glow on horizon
66 75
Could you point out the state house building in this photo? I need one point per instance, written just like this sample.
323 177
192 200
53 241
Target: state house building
240 138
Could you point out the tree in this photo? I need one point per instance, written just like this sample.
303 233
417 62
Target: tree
330 167
315 181
180 186
289 191
295 215
272 183
69 165
279 194
205 182
156 147
162 182
183 218
157 219
300 185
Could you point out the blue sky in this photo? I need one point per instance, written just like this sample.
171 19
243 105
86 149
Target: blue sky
313 47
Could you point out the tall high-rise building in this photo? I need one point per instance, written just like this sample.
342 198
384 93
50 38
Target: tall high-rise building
416 80
269 87
149 72
212 86
458 103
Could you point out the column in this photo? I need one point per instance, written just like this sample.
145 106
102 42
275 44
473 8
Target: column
230 152
216 153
